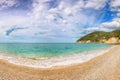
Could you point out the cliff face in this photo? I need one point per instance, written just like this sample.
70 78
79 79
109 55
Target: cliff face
101 37
113 40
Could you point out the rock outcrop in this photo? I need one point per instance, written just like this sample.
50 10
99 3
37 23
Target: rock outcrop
113 40
101 37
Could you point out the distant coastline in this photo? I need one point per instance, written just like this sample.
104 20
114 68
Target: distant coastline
101 37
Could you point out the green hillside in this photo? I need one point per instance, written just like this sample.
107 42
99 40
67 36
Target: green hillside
99 35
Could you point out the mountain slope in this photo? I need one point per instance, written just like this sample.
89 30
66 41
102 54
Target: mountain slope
101 37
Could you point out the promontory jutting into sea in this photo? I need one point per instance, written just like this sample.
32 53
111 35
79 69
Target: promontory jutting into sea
59 39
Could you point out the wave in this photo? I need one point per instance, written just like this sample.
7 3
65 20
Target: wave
46 62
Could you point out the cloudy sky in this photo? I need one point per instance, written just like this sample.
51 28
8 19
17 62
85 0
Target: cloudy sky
56 20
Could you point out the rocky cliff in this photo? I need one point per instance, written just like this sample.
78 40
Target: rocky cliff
101 37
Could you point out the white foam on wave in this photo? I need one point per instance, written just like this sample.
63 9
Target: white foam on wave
54 61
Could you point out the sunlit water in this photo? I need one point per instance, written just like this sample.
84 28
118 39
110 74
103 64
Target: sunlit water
50 54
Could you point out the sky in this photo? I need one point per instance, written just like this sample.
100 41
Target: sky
49 21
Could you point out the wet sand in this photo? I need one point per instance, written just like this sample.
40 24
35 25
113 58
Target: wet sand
104 67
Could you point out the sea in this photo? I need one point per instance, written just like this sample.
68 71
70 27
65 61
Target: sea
46 55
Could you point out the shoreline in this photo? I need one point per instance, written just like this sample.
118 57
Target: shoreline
103 67
63 60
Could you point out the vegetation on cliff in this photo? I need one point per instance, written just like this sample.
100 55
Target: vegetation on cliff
100 36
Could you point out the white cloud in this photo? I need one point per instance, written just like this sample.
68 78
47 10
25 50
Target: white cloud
96 4
53 22
113 24
50 17
118 14
106 26
115 3
64 20
115 6
64 12
7 3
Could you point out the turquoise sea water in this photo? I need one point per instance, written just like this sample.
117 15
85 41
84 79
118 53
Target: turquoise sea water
48 49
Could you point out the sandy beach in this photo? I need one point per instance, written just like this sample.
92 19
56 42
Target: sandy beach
104 67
